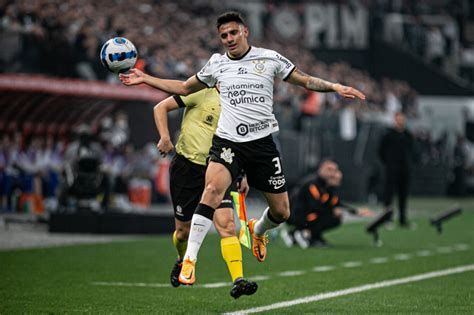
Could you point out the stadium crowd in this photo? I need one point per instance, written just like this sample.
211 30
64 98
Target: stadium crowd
176 40
437 31
37 170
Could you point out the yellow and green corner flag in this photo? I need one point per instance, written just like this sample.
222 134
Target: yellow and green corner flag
239 206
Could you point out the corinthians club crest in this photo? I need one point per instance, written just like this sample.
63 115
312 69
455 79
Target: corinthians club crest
227 155
259 66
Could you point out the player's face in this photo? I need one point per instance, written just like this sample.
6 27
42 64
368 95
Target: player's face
234 38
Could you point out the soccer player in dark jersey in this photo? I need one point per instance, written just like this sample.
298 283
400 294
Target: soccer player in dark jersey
187 172
243 137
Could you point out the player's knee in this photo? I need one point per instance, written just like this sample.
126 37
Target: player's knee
286 214
182 233
281 214
213 193
211 189
283 211
226 229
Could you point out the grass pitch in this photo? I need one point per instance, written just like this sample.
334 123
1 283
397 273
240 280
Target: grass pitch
132 277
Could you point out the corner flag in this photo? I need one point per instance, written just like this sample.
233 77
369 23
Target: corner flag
239 205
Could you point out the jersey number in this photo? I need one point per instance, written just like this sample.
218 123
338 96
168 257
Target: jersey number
277 165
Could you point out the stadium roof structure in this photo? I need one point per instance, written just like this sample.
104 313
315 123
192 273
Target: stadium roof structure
41 104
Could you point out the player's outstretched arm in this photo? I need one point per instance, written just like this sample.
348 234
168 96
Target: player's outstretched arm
160 113
300 78
136 76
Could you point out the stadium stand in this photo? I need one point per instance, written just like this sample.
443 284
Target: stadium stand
55 46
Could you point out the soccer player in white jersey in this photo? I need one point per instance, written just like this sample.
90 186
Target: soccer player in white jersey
243 138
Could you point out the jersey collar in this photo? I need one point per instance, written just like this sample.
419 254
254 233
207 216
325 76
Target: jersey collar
241 57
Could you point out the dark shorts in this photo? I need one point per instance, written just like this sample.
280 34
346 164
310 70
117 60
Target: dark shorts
259 159
187 181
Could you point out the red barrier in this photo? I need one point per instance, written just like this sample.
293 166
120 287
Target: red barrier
75 87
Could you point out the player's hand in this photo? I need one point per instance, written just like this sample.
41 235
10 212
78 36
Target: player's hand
365 212
133 77
243 186
348 92
165 146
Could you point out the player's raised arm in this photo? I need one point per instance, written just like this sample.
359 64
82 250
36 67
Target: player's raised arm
136 76
300 78
160 113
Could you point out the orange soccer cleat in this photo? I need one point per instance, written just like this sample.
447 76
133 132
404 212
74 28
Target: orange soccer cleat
187 274
259 243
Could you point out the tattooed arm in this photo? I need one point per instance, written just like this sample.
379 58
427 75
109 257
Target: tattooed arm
300 78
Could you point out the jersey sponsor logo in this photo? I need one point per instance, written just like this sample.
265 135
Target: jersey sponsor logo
227 155
243 86
259 66
285 61
241 97
277 181
179 211
242 129
242 70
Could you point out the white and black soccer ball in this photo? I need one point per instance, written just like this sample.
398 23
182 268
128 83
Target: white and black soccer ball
118 55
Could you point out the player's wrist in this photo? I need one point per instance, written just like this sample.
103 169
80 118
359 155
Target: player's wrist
146 78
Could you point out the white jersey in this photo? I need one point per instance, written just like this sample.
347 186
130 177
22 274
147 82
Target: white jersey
246 92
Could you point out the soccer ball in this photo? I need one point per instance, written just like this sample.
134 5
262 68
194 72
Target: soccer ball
118 55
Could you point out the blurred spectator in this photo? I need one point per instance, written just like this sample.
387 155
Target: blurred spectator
435 46
396 153
460 165
468 124
310 107
84 179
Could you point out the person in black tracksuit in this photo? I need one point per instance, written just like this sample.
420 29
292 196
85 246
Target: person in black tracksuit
316 208
396 153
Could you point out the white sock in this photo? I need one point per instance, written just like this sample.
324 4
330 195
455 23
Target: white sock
200 225
264 224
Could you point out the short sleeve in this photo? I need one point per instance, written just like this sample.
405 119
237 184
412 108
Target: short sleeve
205 76
284 67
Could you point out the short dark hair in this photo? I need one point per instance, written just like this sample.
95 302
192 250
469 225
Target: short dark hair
230 16
325 160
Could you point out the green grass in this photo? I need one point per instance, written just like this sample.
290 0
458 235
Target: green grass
59 280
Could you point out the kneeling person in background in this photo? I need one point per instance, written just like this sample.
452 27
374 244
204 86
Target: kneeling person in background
316 207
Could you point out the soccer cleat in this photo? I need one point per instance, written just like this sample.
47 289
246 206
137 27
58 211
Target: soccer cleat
301 240
287 237
186 276
259 243
175 273
243 287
